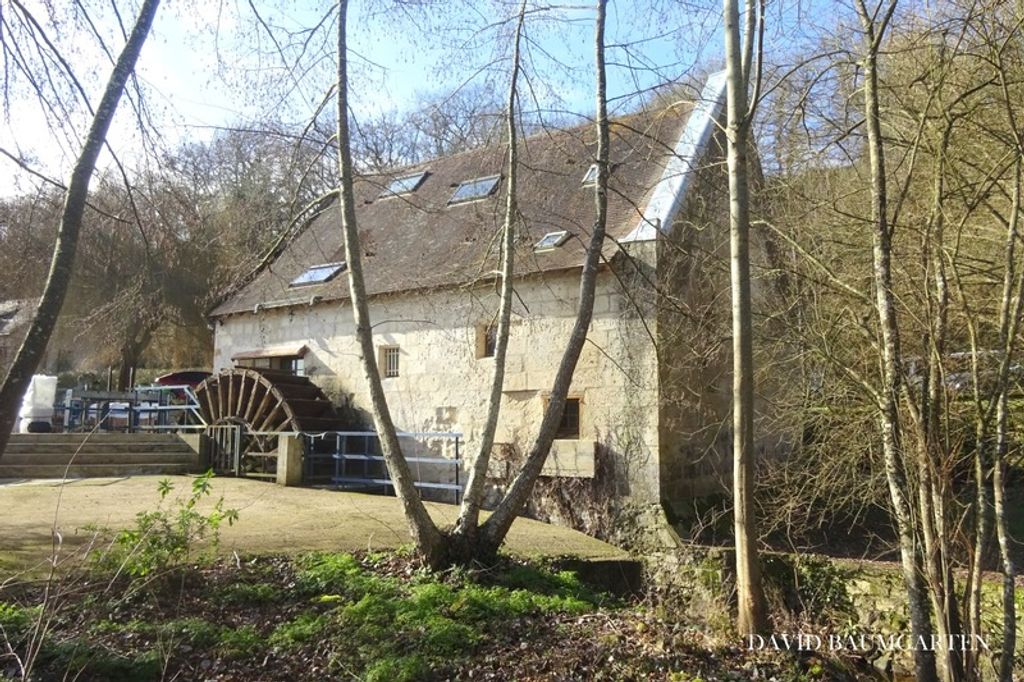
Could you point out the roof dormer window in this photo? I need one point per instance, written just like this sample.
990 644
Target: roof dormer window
318 274
474 189
406 184
590 177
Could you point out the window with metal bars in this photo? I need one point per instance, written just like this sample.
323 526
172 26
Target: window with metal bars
389 361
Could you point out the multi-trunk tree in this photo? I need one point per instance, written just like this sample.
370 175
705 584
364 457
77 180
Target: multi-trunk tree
471 540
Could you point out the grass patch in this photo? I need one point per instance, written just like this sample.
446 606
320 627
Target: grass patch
240 642
247 594
377 619
332 573
84 660
195 631
305 627
392 630
398 669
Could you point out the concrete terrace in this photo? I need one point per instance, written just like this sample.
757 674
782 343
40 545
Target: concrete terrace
272 519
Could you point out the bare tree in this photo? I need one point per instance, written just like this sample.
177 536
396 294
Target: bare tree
874 22
31 352
464 534
752 610
470 540
494 529
425 534
439 125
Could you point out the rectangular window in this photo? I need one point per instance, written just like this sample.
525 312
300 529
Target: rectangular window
475 189
293 365
552 240
254 363
404 185
318 274
486 340
389 361
569 427
296 366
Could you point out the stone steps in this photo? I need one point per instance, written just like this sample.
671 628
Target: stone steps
92 470
76 455
118 458
99 437
91 448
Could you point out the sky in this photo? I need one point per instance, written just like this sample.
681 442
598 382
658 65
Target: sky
210 64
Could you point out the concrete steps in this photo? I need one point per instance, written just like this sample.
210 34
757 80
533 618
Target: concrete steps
99 455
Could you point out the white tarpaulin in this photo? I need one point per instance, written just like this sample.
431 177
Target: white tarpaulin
37 405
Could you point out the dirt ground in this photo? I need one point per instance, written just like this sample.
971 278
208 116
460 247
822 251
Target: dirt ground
272 519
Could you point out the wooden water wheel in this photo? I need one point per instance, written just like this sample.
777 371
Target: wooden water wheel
262 403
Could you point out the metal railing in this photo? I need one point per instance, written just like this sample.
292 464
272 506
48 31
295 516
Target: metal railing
353 460
145 408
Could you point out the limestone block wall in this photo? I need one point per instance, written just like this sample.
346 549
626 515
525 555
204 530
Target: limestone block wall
442 384
694 335
694 332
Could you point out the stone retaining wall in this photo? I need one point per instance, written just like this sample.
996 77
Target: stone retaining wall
819 596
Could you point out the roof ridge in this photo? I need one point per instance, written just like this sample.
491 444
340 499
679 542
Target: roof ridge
654 113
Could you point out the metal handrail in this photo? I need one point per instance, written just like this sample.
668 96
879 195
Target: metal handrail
342 455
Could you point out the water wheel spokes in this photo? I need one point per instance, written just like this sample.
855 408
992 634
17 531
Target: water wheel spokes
261 404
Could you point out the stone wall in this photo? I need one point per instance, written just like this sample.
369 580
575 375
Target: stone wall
442 384
814 595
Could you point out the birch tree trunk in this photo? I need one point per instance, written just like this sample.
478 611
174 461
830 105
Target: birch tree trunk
466 527
493 531
1006 658
1011 310
752 617
426 536
920 619
29 355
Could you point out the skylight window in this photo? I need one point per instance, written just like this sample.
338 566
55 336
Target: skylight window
551 240
591 175
404 185
318 274
475 189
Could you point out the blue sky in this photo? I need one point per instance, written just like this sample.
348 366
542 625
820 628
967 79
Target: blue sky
431 51
209 63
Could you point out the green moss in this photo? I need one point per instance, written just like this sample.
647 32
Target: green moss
373 626
195 631
240 642
393 631
82 660
247 594
302 629
431 596
398 669
326 572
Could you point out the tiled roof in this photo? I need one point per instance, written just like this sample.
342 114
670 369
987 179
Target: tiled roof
416 240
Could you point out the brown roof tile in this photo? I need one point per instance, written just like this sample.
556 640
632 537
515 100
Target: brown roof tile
417 240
